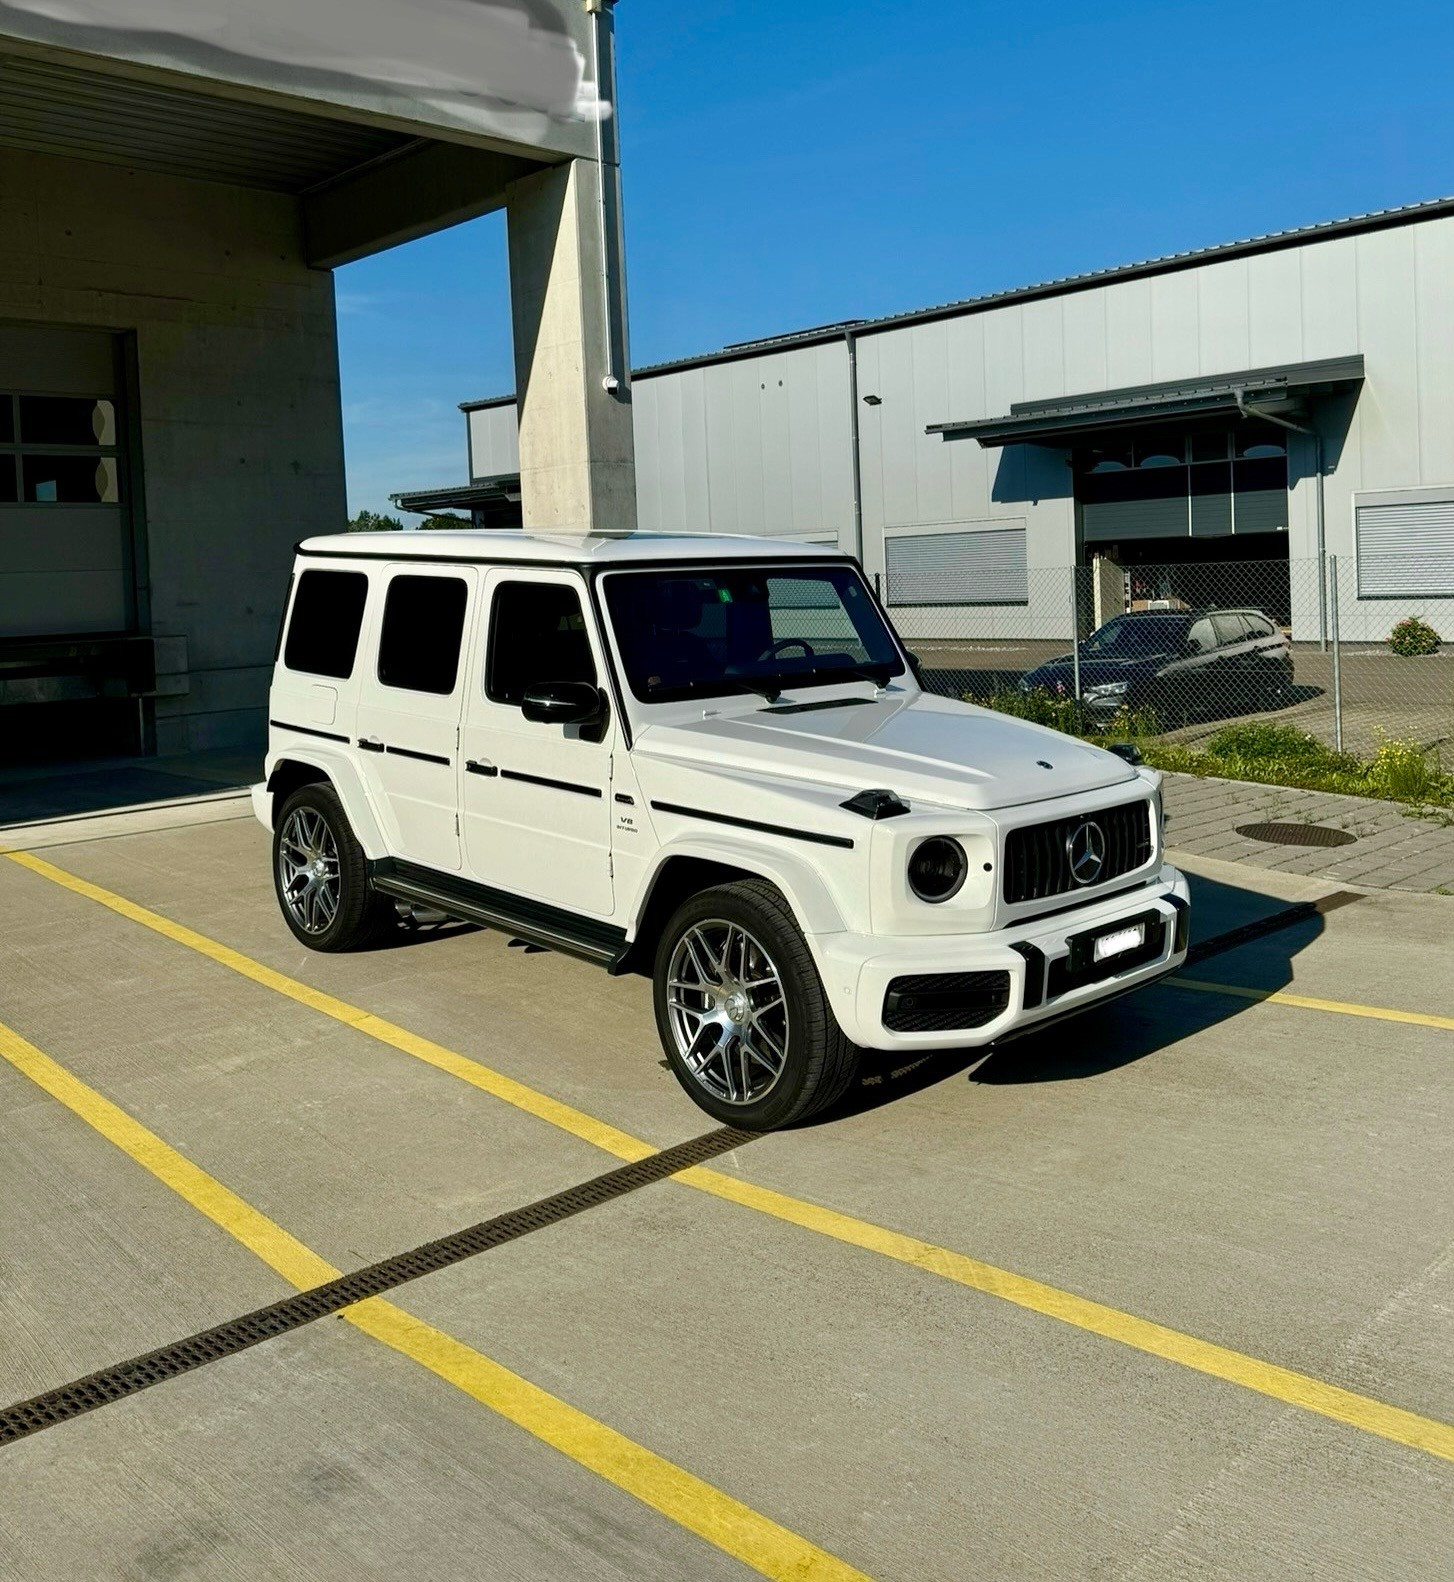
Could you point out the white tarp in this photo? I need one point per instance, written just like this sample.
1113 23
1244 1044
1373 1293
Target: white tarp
508 68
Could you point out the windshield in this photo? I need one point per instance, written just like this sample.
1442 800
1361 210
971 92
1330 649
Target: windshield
693 633
1128 636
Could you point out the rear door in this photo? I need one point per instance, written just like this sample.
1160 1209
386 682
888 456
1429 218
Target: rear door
536 799
409 709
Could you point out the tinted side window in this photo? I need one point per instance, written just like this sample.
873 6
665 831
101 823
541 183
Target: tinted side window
422 631
1201 638
537 634
1230 629
327 618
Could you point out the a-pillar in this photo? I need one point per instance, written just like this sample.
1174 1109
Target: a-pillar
577 457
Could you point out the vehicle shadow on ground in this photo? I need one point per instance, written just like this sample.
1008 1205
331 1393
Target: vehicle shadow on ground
1121 1032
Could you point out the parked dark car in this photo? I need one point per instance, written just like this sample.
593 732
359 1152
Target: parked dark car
1184 664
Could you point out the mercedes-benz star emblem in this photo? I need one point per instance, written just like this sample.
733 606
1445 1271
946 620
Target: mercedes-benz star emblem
1085 848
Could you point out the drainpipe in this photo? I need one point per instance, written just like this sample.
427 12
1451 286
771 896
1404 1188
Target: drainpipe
850 340
1317 438
608 198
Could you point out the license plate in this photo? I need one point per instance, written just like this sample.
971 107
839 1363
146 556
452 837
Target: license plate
1119 943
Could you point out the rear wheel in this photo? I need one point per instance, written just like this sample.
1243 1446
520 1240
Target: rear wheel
1276 690
321 875
741 1011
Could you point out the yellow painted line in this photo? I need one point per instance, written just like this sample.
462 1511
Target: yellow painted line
1280 1384
1304 1002
496 1083
727 1524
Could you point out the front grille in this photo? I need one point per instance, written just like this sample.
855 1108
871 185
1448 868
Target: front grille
945 1002
1037 862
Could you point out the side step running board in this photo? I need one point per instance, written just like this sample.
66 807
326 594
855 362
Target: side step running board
531 921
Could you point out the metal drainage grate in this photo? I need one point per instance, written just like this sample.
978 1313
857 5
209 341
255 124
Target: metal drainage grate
140 1373
1297 834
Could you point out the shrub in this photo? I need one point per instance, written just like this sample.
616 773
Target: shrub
1264 741
1413 637
1061 712
1405 772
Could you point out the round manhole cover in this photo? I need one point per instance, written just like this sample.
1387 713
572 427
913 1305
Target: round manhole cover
1297 834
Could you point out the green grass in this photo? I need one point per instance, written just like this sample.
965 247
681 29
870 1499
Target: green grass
1257 750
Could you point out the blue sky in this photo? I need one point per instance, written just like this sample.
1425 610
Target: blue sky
794 162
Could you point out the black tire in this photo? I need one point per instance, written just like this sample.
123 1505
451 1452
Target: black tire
819 1063
360 917
1276 692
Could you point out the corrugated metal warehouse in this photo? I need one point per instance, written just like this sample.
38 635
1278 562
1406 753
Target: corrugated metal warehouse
1246 406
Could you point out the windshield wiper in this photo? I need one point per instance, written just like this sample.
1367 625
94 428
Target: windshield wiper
760 685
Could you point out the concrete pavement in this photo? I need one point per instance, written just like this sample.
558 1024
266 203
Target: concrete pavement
1257 1174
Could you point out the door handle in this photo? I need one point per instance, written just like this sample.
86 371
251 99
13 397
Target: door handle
370 744
480 766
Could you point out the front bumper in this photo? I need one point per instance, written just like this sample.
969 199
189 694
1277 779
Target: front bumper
858 970
262 805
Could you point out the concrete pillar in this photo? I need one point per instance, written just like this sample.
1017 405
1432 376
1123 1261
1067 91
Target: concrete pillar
577 458
1109 583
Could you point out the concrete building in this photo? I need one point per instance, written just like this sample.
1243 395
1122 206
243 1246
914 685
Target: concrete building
178 179
1248 406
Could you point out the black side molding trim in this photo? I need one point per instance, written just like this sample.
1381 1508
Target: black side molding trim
308 730
424 758
540 924
751 823
554 785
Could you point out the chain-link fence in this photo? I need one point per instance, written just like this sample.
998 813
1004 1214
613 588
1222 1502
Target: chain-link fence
1177 651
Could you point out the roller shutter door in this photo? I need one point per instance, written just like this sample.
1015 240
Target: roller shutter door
985 566
1406 549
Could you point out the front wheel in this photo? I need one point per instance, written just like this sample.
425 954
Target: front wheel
741 1012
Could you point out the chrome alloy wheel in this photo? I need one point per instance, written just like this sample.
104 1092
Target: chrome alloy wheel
308 870
728 1011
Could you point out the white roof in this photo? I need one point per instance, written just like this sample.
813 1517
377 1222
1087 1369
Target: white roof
511 544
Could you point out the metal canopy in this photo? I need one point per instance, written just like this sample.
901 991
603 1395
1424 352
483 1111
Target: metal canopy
48 108
1066 421
481 493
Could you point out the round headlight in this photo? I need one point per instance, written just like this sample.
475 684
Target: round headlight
937 868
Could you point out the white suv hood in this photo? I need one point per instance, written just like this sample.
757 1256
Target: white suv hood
923 747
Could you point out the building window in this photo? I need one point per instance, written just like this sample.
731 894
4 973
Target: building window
59 450
1199 484
981 566
422 631
327 618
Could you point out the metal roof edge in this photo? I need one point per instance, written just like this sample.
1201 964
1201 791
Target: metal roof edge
1169 263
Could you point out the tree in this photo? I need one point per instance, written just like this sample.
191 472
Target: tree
373 522
445 521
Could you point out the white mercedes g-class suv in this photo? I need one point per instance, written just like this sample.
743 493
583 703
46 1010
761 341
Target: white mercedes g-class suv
708 760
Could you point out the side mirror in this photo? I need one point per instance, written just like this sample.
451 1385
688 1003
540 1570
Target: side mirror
562 703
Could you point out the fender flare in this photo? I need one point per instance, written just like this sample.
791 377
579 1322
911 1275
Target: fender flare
342 774
801 883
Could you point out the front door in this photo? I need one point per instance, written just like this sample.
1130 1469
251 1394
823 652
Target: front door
536 798
409 708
